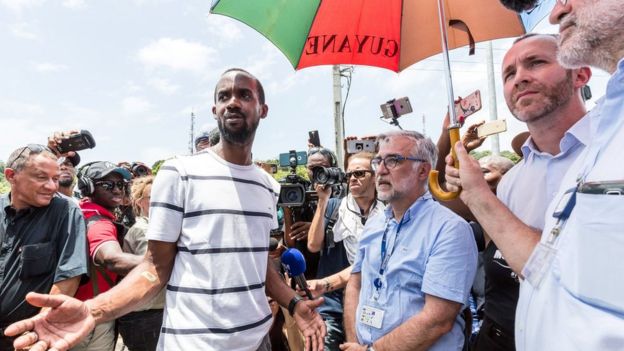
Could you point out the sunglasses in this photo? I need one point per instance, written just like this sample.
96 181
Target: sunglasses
34 148
540 3
359 174
391 161
110 185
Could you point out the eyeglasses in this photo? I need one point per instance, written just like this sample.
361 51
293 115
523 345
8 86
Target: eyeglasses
358 174
109 185
391 161
34 148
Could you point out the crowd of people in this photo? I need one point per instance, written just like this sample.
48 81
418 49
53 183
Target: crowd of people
183 260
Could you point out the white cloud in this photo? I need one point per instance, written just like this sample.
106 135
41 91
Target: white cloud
45 67
74 4
23 30
134 105
163 86
225 29
177 54
20 5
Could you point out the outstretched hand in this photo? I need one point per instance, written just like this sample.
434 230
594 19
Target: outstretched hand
63 322
311 324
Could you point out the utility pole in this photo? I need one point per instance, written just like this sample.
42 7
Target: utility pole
192 134
494 139
424 127
338 118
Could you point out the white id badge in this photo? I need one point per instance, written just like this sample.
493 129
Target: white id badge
372 316
536 267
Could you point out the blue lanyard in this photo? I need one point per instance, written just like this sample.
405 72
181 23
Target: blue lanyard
385 257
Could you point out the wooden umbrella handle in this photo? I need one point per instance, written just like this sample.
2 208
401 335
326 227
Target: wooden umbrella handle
434 185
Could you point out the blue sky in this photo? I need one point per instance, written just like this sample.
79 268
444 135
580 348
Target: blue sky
132 71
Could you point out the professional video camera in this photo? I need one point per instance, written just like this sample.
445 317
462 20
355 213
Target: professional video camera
294 191
332 176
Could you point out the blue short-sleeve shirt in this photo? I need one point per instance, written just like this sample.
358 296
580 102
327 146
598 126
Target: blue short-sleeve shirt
433 252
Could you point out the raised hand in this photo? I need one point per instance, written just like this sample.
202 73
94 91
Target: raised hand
63 322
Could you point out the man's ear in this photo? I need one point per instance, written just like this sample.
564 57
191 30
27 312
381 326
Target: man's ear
423 172
9 174
581 76
214 112
265 110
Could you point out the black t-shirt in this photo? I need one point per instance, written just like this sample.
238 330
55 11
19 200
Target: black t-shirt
39 247
501 289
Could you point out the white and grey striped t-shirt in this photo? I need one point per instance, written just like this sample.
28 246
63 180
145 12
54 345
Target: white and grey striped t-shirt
220 215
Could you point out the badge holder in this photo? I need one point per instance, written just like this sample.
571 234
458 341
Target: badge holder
542 256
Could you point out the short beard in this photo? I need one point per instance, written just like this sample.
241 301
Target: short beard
556 97
241 137
66 183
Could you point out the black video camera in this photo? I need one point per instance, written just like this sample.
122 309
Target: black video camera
332 176
294 189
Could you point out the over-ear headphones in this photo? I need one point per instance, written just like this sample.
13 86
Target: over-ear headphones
85 184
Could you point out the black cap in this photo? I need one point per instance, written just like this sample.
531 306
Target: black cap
101 169
75 160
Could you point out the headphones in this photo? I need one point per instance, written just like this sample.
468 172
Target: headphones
85 184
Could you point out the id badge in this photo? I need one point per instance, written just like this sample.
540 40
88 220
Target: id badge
536 267
372 316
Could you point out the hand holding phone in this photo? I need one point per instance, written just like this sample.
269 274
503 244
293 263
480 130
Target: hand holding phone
314 139
467 106
492 127
74 142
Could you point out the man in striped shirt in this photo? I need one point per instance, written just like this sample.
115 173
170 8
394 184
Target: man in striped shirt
210 218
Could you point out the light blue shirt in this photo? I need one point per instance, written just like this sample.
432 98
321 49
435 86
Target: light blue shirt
434 253
530 186
579 305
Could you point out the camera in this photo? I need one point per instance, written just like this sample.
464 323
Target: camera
293 192
139 169
328 175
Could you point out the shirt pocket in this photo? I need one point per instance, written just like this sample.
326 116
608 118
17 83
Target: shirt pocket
590 263
37 259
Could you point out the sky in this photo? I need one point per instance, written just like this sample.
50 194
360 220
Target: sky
132 72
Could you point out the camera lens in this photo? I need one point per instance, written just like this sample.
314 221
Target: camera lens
328 175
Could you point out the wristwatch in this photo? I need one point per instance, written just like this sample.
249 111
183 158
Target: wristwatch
291 305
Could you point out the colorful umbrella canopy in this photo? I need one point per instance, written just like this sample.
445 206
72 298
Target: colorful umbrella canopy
392 34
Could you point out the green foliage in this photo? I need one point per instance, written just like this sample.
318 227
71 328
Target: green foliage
507 154
156 166
302 171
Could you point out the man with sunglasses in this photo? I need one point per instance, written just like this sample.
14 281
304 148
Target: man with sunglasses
570 296
103 186
42 236
416 261
335 232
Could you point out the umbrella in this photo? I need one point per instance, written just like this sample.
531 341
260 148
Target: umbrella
391 34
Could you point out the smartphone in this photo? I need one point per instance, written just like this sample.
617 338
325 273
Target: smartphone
355 146
284 159
314 138
492 127
76 142
468 105
396 108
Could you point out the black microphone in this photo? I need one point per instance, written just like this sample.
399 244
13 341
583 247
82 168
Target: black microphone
294 264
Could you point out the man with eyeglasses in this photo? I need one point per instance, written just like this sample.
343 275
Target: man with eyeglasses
570 296
103 185
335 232
415 263
42 236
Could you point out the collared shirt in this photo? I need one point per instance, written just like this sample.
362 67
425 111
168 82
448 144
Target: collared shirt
580 302
349 224
41 246
433 252
541 173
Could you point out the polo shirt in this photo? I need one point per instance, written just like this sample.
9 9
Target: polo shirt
433 252
40 246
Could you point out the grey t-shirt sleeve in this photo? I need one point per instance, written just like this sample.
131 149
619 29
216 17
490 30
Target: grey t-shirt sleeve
72 244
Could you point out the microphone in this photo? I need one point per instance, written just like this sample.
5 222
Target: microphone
294 264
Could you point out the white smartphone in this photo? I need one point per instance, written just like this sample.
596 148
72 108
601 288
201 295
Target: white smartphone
493 127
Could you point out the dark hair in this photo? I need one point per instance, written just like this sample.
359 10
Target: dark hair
259 88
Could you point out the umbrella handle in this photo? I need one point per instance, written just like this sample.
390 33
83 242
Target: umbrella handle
434 185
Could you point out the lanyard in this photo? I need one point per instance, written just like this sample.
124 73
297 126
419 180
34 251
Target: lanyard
385 255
